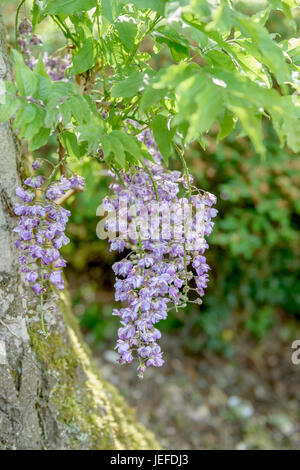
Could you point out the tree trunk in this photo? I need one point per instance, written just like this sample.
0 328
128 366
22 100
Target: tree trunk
51 395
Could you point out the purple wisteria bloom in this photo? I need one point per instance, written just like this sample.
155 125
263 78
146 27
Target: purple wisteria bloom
36 165
41 230
56 66
162 267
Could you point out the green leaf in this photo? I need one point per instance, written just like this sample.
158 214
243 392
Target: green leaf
51 118
68 7
63 89
127 29
40 139
223 20
8 109
40 67
131 145
217 58
285 6
27 81
209 104
130 86
92 105
156 5
85 58
151 96
36 16
83 26
271 54
80 109
118 143
227 124
111 9
44 89
199 101
106 148
33 127
25 115
91 133
9 103
251 66
288 125
178 44
292 47
251 124
172 76
70 144
163 136
111 144
66 112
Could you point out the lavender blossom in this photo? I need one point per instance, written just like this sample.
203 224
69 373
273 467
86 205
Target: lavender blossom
159 271
56 66
41 231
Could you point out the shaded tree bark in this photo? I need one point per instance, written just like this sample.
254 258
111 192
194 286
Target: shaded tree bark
51 394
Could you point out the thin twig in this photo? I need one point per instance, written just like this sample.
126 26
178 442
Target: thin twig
67 196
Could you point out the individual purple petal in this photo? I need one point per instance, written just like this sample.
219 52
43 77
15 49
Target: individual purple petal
35 181
36 165
77 182
26 196
31 276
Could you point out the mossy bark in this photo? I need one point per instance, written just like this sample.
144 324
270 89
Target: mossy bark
51 394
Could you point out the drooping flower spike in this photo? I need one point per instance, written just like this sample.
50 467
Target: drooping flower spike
56 66
41 230
160 270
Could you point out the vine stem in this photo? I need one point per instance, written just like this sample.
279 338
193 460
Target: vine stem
118 175
148 31
187 175
152 180
53 174
17 20
186 273
64 27
42 305
180 152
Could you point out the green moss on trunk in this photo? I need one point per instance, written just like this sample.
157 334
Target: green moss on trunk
90 411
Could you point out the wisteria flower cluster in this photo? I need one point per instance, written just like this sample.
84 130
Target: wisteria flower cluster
41 229
159 270
55 65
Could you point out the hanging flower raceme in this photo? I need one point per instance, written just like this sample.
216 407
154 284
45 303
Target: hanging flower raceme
55 65
166 235
41 229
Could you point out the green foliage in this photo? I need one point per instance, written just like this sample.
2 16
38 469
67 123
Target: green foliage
69 141
26 80
67 7
163 136
85 58
9 102
228 69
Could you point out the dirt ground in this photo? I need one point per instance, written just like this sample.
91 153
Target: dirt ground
208 402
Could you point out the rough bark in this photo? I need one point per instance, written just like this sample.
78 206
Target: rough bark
51 394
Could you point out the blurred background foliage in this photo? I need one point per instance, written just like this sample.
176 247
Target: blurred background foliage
254 249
